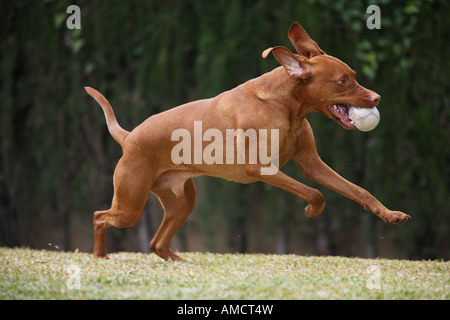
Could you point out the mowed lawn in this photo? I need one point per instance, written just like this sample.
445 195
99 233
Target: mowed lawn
34 274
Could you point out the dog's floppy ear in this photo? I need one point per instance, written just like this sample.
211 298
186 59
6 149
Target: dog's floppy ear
303 42
296 66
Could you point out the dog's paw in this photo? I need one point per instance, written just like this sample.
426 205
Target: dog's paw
394 217
101 256
311 211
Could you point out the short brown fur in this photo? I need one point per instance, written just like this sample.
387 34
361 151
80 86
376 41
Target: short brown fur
279 99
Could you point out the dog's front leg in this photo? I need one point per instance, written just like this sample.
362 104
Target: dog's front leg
307 158
314 197
319 172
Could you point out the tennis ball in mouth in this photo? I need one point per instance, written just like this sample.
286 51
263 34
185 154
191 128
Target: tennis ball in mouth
365 119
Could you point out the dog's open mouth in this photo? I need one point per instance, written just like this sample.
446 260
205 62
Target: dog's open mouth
339 111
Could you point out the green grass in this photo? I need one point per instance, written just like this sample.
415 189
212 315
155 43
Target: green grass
33 274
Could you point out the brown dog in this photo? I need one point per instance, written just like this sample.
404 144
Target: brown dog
277 101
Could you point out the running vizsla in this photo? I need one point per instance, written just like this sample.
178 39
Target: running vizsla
278 100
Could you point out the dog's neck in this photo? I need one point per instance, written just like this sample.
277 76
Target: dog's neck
278 87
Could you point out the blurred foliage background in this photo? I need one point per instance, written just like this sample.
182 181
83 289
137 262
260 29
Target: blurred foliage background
57 157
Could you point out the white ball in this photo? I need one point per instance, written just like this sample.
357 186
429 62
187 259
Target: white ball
364 119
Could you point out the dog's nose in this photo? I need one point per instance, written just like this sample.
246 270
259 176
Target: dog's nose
375 97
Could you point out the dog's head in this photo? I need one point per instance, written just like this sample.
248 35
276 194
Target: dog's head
328 84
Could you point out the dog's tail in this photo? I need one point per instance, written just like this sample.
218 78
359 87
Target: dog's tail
117 132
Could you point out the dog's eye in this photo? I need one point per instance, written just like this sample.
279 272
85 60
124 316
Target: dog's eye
342 82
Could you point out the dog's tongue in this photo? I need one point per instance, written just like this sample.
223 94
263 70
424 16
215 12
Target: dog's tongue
342 109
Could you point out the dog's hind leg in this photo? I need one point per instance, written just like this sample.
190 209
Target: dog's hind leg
132 184
177 208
